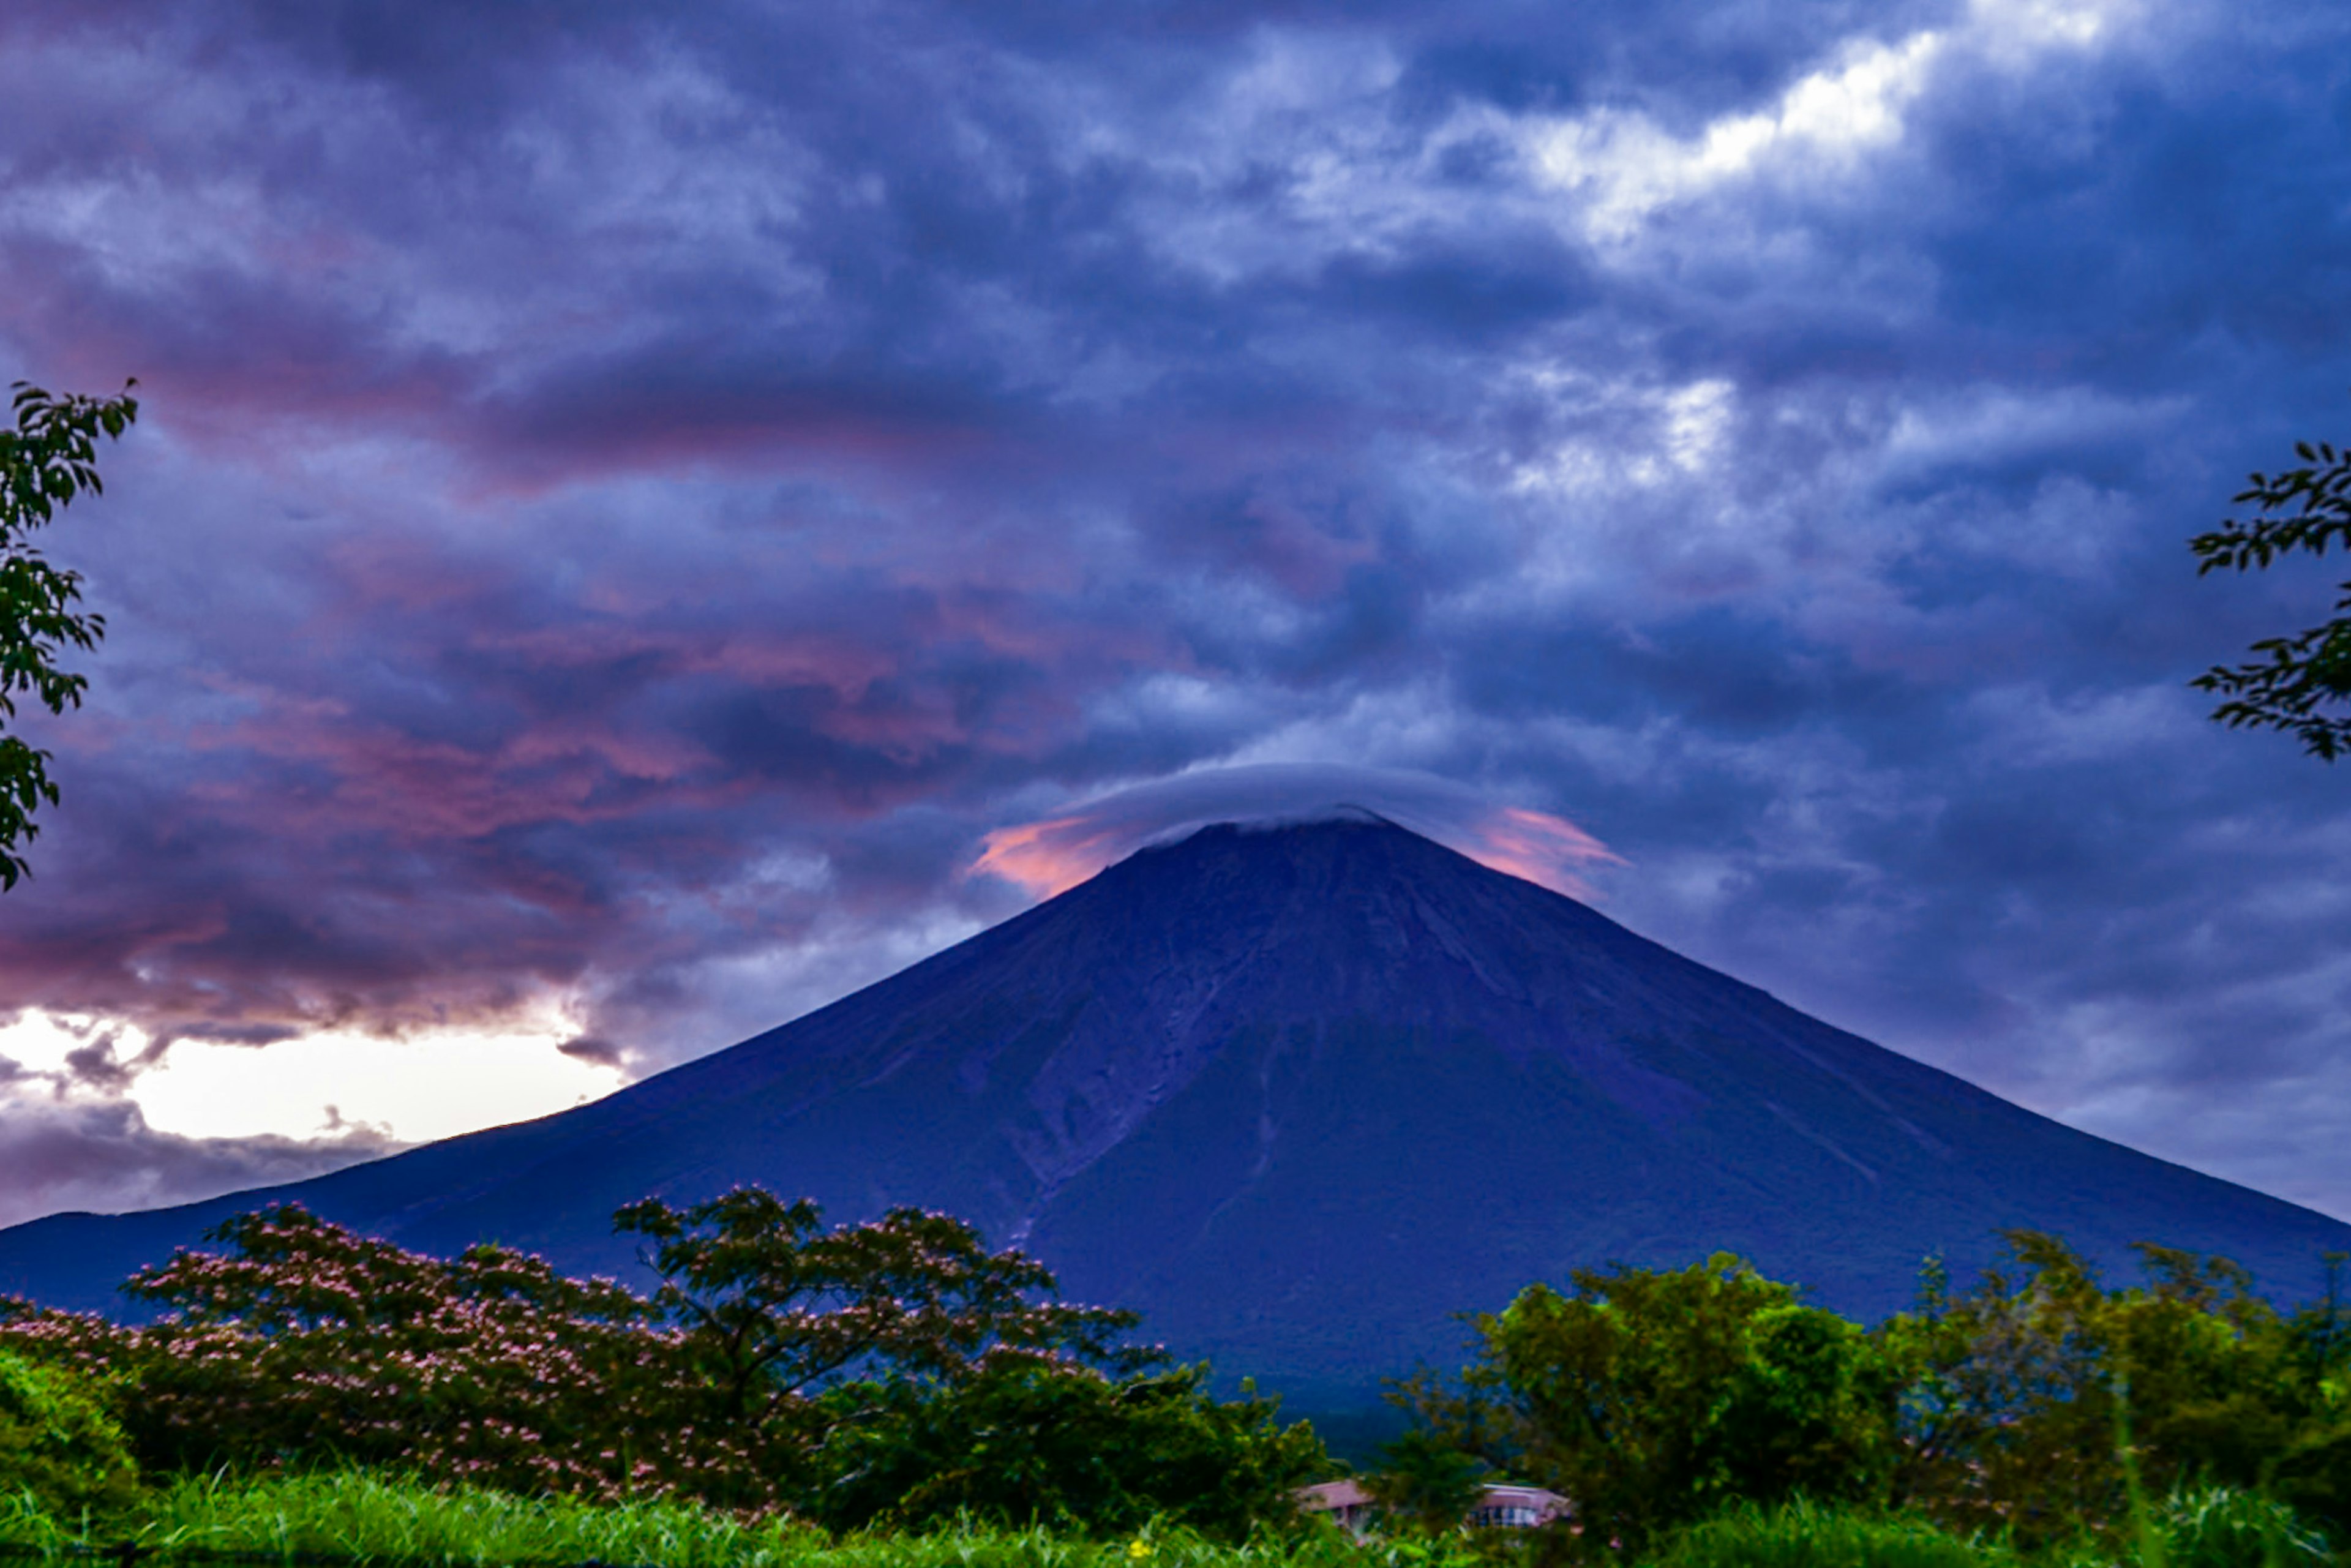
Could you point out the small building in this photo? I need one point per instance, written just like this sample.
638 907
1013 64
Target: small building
1348 1504
1506 1506
1500 1506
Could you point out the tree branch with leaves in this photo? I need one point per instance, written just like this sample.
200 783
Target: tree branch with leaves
48 459
2294 677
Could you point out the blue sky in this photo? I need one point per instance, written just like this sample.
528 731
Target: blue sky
631 509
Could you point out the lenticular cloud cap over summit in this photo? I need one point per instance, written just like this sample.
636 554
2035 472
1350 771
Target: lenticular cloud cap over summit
1057 852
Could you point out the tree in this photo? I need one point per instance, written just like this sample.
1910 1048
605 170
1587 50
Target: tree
2294 676
2022 1392
778 1309
48 459
1427 1482
1653 1398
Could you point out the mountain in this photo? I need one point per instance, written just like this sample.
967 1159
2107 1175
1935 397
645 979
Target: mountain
1300 1094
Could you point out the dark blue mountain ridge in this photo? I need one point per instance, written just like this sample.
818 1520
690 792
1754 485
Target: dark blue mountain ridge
1300 1094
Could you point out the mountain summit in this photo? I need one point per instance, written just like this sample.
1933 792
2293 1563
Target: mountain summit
1301 1092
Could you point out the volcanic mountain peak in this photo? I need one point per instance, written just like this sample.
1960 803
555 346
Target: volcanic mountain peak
1300 1091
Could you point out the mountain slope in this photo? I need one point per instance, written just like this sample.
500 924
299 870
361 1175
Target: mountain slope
1300 1094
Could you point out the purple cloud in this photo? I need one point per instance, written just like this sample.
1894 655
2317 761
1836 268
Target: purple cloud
105 1158
632 508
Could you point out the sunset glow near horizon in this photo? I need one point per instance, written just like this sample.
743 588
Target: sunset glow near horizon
643 522
324 1085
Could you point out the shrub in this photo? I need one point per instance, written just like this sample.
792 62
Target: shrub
58 1443
1059 1447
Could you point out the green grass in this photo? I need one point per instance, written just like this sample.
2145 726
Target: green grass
1806 1535
360 1518
26 1529
2216 1527
2209 1527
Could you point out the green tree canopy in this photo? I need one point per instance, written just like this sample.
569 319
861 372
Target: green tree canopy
1427 1483
1652 1398
50 457
779 1307
2294 677
2019 1391
2020 1406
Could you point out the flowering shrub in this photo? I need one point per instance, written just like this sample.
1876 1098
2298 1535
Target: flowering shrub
307 1342
301 1343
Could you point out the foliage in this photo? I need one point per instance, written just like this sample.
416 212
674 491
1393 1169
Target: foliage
780 1365
1426 1482
356 1515
898 1375
1654 1398
776 1309
59 1447
359 1517
2199 1527
2223 1527
305 1342
50 457
2284 687
773 1311
2020 1392
1804 1534
2037 1405
1062 1446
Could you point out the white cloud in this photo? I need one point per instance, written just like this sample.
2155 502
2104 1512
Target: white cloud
1624 168
1619 168
430 1084
1697 417
2013 31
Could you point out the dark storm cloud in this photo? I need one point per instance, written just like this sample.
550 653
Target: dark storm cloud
630 502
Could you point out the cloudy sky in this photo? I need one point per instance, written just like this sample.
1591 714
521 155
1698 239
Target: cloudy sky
645 518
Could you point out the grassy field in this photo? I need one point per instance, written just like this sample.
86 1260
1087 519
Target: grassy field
357 1518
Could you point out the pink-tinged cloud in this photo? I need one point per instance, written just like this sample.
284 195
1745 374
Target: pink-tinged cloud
1055 854
1051 856
1540 847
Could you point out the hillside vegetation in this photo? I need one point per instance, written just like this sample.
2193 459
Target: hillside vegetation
893 1394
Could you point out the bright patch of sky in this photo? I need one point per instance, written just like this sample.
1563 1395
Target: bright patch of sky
432 1084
